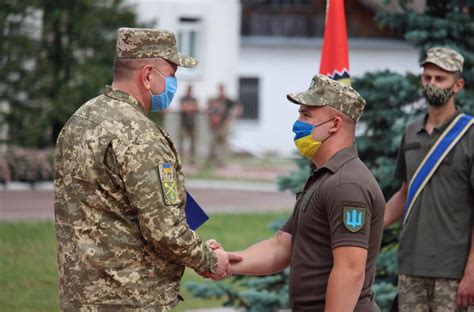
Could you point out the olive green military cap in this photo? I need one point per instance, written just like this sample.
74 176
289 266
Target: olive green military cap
448 59
325 91
150 43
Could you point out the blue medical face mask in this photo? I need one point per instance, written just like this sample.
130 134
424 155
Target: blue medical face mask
162 101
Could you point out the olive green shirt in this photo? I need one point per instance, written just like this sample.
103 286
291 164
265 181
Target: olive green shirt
435 241
123 240
319 224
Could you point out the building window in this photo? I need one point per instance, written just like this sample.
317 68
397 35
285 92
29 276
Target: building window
249 97
188 38
288 3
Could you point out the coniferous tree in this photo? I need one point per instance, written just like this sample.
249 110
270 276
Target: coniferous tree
54 55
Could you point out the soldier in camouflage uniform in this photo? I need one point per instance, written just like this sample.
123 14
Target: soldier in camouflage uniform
436 254
123 240
332 239
222 113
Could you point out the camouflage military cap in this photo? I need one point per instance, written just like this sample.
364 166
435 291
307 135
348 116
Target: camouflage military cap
448 59
150 43
325 91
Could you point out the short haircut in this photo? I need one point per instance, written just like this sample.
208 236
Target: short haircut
348 124
124 68
345 118
348 121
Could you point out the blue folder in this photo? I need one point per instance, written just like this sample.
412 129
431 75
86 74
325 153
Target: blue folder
195 215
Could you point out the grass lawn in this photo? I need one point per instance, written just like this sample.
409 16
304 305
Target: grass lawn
28 272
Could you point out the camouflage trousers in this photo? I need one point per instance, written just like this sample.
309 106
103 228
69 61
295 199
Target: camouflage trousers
219 145
428 294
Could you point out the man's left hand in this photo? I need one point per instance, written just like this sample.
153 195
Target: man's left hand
465 294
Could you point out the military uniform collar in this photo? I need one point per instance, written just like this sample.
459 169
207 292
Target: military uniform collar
420 124
340 158
124 97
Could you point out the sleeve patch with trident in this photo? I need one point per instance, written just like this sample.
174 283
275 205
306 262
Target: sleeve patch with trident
354 218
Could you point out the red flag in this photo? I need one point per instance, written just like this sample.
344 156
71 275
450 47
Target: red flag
335 54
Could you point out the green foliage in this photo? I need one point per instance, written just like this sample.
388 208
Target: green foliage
275 225
296 179
54 56
385 294
255 294
390 99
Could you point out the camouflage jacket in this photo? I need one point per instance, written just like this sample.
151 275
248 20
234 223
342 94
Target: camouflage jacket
123 240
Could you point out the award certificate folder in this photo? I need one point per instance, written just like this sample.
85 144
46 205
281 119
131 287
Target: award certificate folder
195 215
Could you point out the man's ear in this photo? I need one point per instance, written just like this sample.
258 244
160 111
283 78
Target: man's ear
145 75
458 85
336 124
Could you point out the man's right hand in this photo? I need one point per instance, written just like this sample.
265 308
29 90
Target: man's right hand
266 257
223 267
224 259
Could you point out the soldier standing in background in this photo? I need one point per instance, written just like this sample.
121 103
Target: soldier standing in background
222 111
123 240
435 204
189 110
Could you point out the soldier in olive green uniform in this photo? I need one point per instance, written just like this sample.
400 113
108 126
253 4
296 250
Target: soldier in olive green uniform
123 240
332 239
436 254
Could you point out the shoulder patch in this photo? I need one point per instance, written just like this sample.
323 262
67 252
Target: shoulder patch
353 218
168 183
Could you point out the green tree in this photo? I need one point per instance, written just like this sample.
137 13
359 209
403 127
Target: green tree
54 55
392 101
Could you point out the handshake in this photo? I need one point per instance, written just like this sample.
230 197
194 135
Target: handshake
225 261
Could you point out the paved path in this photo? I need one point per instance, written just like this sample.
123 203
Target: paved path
213 196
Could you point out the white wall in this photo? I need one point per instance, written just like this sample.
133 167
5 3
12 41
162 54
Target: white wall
285 66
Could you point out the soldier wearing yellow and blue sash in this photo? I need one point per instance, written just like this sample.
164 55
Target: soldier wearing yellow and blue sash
436 200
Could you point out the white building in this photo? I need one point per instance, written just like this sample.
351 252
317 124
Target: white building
260 70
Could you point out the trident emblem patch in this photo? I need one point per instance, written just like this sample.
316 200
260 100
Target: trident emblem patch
354 218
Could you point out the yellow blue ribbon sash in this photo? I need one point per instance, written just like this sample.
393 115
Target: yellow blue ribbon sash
450 137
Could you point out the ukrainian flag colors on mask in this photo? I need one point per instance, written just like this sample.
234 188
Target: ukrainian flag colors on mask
304 141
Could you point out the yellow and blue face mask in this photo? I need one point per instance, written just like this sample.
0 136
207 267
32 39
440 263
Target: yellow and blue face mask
304 141
306 145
